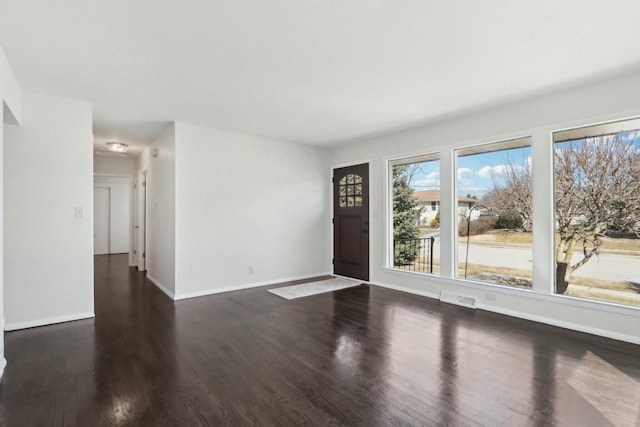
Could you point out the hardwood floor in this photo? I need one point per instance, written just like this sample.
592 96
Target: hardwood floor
363 356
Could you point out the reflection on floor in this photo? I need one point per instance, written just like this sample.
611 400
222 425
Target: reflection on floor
362 356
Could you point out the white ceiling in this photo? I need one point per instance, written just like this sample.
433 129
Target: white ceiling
310 71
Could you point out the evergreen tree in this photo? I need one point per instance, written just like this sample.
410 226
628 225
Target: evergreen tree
406 214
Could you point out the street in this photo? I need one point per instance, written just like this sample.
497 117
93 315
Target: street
611 267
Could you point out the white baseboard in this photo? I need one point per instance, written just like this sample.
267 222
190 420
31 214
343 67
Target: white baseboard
561 324
161 286
48 321
527 316
247 286
408 290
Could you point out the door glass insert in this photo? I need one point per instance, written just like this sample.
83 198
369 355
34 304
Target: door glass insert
351 187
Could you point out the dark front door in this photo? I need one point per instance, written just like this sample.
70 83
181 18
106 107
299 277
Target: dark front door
351 221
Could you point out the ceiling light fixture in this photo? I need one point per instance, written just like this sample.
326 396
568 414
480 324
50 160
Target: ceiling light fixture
118 147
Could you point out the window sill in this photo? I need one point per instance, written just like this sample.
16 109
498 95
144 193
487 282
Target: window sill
603 306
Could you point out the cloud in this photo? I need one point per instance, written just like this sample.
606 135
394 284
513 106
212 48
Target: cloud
629 136
433 175
498 170
465 177
491 171
474 191
432 179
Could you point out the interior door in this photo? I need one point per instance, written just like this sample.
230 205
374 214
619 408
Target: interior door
120 200
101 220
351 221
141 228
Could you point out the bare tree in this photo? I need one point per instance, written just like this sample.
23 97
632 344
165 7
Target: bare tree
597 190
514 196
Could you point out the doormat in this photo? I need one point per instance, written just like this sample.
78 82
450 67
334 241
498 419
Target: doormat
313 288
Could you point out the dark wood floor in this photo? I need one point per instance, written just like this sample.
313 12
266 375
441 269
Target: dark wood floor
363 356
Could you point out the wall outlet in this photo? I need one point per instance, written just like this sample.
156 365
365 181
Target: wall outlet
250 269
490 297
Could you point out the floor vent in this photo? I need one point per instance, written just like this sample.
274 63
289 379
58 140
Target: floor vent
458 300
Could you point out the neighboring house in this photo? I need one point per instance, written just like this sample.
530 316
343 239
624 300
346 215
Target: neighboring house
430 202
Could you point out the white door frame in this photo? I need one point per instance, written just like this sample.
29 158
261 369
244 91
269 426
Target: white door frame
132 208
142 219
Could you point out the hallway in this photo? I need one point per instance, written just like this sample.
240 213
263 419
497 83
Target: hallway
363 356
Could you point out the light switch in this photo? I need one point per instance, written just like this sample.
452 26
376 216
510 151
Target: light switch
78 212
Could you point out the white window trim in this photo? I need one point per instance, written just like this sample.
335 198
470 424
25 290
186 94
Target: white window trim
543 289
389 163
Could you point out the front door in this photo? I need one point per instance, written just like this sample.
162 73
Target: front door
351 221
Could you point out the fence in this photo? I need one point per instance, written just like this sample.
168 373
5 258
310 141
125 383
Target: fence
414 254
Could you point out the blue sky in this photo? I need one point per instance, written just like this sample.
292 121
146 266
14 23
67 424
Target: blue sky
476 173
631 137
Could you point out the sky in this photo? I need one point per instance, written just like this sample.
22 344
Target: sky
476 172
630 137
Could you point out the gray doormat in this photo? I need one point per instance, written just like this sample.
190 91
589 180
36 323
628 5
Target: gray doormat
313 288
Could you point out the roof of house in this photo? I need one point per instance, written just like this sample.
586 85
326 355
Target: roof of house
434 196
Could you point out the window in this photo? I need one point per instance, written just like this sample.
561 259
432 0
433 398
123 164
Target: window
494 201
351 191
597 212
415 198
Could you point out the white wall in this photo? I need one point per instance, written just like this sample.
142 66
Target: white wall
161 210
105 164
48 251
10 93
10 100
538 117
249 210
120 213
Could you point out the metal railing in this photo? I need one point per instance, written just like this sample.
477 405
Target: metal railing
414 254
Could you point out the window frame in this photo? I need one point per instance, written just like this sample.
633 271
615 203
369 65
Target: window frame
480 148
390 163
585 130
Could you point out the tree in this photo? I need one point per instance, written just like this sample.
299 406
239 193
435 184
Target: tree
597 190
406 214
435 222
508 222
514 197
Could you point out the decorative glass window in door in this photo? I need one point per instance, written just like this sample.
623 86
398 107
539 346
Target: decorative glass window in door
350 191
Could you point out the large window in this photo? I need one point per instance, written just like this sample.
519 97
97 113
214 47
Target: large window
597 212
415 194
494 200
